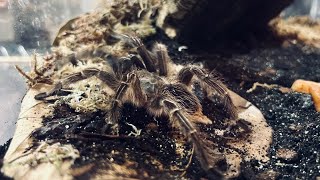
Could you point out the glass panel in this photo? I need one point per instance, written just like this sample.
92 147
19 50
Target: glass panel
27 26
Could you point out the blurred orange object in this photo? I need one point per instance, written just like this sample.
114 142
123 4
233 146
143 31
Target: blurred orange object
309 87
4 3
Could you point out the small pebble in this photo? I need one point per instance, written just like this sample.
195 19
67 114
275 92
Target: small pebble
295 127
287 155
268 175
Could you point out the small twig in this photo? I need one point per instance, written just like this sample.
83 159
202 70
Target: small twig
264 85
35 68
96 136
24 74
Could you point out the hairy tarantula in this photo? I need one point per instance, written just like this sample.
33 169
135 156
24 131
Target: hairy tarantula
164 88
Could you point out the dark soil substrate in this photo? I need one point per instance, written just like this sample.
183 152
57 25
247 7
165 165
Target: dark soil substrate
292 115
296 126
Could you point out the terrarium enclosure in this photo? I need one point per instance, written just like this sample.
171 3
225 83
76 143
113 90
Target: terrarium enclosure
159 89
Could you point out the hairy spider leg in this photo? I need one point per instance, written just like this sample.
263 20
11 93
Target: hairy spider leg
106 77
144 53
123 89
207 160
57 87
124 65
137 61
186 74
130 63
183 97
163 58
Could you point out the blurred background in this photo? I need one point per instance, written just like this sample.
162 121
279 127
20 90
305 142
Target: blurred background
28 26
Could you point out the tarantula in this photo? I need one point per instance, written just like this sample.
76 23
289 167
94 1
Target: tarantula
164 88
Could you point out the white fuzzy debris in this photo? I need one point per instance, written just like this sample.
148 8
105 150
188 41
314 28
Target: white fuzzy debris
136 132
181 48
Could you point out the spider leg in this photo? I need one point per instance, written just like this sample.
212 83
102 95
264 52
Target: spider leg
114 64
106 77
130 63
137 61
54 90
143 52
208 157
186 74
183 97
124 65
137 97
163 58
